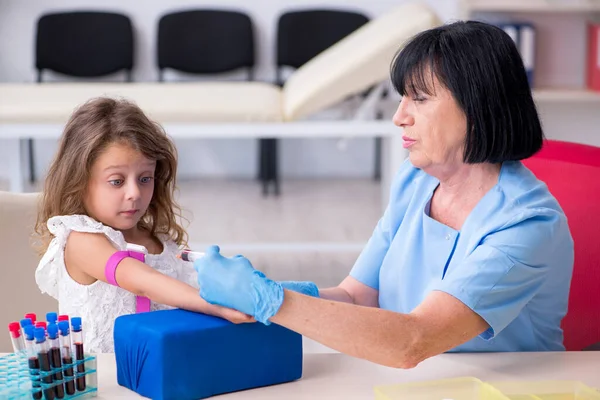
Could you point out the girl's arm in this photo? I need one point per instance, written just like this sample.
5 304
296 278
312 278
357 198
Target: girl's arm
86 255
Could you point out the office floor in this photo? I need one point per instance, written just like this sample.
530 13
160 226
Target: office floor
313 231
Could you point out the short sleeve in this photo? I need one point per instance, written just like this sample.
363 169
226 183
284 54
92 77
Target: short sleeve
62 226
508 268
49 267
367 266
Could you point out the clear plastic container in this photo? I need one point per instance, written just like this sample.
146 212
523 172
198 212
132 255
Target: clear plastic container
18 381
467 388
546 390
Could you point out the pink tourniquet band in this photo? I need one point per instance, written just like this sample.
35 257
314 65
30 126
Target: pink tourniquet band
142 303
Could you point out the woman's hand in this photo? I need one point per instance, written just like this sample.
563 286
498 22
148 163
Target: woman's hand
234 283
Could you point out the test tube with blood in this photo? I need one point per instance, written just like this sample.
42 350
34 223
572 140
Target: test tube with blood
55 360
77 339
44 359
33 362
67 358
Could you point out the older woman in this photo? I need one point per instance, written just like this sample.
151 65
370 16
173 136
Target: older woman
472 254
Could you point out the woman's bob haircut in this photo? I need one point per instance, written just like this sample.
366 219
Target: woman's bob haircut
481 66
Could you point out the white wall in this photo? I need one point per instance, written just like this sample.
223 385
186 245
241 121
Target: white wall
305 158
207 157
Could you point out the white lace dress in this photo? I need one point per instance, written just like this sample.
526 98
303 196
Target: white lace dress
100 303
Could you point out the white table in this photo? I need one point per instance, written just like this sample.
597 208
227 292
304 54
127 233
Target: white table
337 376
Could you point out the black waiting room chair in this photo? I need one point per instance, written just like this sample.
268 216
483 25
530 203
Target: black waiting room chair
205 42
302 35
82 44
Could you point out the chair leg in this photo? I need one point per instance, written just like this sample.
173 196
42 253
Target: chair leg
377 167
268 173
31 161
274 166
263 164
378 146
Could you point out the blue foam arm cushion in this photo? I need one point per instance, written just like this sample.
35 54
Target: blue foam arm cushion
177 354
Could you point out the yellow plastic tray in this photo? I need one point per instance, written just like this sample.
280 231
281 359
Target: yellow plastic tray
449 389
546 390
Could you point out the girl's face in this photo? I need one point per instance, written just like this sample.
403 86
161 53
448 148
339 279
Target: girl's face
120 188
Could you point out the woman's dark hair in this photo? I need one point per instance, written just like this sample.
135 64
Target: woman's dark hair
481 66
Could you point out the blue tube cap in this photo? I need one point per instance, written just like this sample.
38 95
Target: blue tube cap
52 331
76 324
40 335
51 317
63 326
25 322
29 332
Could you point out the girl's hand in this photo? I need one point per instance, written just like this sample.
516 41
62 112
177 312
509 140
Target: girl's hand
229 314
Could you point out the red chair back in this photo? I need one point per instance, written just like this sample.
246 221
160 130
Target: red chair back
572 173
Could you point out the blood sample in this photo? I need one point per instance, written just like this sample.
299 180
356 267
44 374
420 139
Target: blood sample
34 364
79 352
55 360
191 256
67 358
44 359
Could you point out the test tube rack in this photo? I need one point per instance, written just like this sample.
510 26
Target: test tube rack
18 381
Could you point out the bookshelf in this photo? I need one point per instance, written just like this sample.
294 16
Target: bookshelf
554 88
544 6
565 95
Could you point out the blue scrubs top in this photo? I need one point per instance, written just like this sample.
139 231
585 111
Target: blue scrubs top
511 262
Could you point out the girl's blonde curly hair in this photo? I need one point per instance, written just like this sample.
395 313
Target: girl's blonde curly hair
94 126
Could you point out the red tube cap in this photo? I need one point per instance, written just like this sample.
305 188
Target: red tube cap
15 329
32 317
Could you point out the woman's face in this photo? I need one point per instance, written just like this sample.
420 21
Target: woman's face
434 128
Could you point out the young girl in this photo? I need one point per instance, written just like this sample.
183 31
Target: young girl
111 189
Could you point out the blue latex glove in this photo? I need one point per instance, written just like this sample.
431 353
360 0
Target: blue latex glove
307 288
233 282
